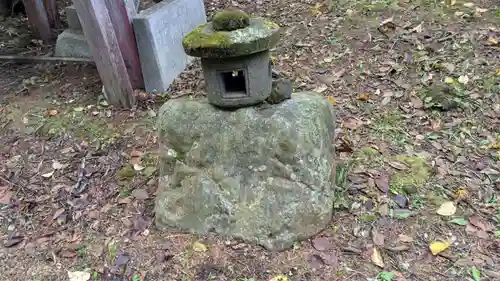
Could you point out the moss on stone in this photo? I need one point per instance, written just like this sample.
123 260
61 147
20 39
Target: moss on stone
196 39
230 19
415 176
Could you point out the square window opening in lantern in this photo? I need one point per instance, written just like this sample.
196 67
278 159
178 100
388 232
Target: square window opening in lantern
234 83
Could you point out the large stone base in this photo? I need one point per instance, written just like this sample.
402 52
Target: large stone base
72 43
262 174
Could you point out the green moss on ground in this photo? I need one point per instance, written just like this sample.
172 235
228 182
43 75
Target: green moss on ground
413 178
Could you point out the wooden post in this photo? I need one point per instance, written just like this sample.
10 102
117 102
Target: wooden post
52 13
100 35
37 17
122 23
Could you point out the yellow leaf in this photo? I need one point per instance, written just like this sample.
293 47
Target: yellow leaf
448 80
279 278
377 258
493 40
495 145
461 194
438 246
199 247
363 97
447 209
315 10
498 73
332 100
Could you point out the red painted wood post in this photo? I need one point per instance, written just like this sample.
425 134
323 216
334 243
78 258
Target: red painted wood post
122 23
52 13
100 35
37 17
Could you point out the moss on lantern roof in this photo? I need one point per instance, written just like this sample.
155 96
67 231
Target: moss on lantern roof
230 19
204 41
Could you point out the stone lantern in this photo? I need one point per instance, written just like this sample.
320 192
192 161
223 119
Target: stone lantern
234 52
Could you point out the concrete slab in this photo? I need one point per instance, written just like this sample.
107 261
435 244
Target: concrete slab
72 43
72 18
159 31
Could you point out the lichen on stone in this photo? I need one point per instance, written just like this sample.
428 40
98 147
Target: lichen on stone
230 19
197 39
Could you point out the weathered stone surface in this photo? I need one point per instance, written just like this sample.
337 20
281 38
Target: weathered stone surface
253 87
205 42
159 31
72 43
262 174
72 18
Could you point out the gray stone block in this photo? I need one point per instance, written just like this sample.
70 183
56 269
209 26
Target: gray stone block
72 18
159 31
72 43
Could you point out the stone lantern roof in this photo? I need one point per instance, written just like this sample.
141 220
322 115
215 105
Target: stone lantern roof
231 33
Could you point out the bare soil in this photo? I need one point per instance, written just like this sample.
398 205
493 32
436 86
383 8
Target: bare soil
416 88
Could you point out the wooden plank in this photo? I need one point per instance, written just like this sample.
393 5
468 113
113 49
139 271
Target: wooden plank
41 59
52 13
105 49
122 23
37 17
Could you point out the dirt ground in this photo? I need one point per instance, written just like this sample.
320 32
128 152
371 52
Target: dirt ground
416 87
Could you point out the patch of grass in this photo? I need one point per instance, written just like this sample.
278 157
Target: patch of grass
390 127
340 200
71 122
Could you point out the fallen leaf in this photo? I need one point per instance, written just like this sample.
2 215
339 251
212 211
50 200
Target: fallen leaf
321 244
140 194
48 175
459 221
52 112
279 278
476 274
493 40
321 88
463 79
138 167
399 248
378 238
331 259
401 201
398 165
402 213
199 247
58 213
438 247
5 195
364 97
316 261
56 165
78 276
352 123
332 100
78 109
13 241
67 253
382 183
377 258
469 4
477 222
447 209
405 238
449 80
